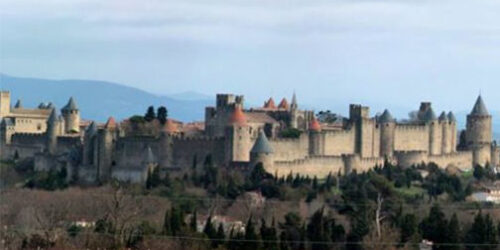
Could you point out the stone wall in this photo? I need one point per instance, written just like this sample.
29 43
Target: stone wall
411 137
290 148
319 166
185 149
339 142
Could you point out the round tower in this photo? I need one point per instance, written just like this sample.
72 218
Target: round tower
446 139
479 133
262 153
71 116
51 133
435 131
238 142
387 131
453 130
315 145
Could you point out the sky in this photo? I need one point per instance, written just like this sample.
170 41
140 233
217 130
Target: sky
382 53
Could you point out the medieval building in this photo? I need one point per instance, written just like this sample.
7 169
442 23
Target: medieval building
239 137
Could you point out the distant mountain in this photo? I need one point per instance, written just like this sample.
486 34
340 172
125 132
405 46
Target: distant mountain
98 100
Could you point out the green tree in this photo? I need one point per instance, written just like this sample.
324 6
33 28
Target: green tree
408 226
193 224
318 230
479 172
434 227
220 236
150 114
162 114
166 224
482 234
210 231
453 233
251 238
268 235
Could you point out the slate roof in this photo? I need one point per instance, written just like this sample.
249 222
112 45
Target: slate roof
71 105
429 115
19 104
451 117
443 117
479 108
386 117
261 145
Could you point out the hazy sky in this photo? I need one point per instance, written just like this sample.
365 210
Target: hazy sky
381 53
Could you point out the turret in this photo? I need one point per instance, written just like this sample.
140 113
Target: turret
51 133
262 152
19 104
315 138
293 112
71 116
435 132
237 135
447 133
89 144
387 131
106 138
4 103
453 127
479 133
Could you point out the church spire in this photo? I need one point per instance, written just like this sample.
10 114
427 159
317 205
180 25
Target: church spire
294 104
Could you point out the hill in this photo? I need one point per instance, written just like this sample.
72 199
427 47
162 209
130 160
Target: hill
99 99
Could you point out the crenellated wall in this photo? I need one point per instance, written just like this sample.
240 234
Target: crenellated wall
339 142
411 137
319 166
290 148
185 149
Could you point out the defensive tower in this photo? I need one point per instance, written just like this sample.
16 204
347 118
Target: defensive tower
71 116
479 134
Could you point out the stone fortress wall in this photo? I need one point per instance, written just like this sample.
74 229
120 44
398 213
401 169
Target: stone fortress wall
234 136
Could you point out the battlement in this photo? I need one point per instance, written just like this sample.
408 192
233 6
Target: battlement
228 100
357 111
411 127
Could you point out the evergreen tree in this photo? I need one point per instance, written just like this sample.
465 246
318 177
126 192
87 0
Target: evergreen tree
220 236
149 181
176 221
155 178
251 237
434 227
408 226
482 234
479 172
210 231
193 224
453 233
318 230
150 114
166 224
162 114
268 235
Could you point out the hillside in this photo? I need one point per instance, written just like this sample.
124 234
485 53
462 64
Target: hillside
98 99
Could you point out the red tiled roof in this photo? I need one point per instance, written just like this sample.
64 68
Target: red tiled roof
270 104
111 123
283 104
170 126
238 117
314 125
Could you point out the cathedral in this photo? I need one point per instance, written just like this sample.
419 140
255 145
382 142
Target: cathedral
283 137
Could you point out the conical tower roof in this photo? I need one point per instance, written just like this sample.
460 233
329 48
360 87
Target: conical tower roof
261 145
451 117
49 106
430 115
443 117
150 158
294 101
238 117
479 108
42 105
270 104
91 129
111 123
314 125
53 117
71 105
283 104
386 117
19 104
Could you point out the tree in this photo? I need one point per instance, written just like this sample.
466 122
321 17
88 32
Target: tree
479 172
150 114
193 224
318 230
482 234
434 227
453 233
250 236
210 231
220 236
162 114
268 235
408 227
166 224
176 220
